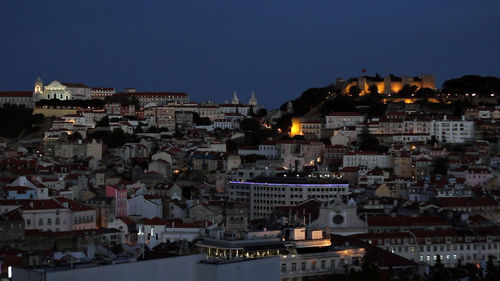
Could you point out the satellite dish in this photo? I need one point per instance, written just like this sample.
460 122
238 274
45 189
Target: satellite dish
91 251
153 242
131 251
102 251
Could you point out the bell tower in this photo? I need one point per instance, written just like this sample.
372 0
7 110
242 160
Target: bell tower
253 100
38 89
235 99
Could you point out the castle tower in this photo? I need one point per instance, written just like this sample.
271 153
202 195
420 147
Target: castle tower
289 107
253 100
235 99
38 89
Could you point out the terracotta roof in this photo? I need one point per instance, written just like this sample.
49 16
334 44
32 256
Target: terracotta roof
41 204
175 223
158 94
345 114
128 221
466 202
75 85
73 205
16 94
406 221
19 189
103 89
382 257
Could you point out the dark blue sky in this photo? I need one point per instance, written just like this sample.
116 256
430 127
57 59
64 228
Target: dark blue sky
211 48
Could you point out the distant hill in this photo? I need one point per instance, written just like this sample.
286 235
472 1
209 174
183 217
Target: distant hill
309 100
483 86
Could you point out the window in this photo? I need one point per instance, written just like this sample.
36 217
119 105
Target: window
294 266
303 266
313 265
283 267
40 222
28 222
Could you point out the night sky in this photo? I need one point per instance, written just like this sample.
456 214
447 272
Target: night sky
211 48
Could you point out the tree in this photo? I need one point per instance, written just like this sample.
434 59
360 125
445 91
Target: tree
373 91
200 121
432 141
441 166
284 123
261 112
15 120
249 124
368 142
117 138
354 91
104 122
369 269
407 91
153 129
75 136
438 273
492 271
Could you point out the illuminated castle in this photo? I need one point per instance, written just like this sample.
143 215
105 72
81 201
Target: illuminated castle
388 84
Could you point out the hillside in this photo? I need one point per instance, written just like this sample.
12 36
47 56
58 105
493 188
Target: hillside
484 86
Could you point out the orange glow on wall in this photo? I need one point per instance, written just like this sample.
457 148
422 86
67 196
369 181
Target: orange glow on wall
295 130
396 86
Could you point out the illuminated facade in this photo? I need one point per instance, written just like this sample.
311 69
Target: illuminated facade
296 127
390 84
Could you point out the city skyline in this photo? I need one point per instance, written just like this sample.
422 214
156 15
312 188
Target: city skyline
276 50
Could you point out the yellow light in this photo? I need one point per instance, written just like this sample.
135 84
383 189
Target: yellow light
295 130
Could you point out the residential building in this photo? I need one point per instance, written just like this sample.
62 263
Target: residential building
264 194
340 119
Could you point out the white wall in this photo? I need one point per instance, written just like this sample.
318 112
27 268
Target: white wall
175 269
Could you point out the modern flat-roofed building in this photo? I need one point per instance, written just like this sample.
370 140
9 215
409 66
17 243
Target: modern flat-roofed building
263 194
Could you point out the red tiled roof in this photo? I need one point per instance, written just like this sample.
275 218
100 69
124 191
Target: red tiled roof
73 205
16 94
19 189
175 223
345 114
75 85
466 202
127 220
158 94
406 221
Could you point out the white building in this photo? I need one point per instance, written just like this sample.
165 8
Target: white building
144 206
366 158
17 98
43 215
65 91
452 130
42 192
339 119
264 194
466 246
101 93
223 124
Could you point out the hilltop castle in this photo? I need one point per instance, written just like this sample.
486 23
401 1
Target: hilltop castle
386 85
